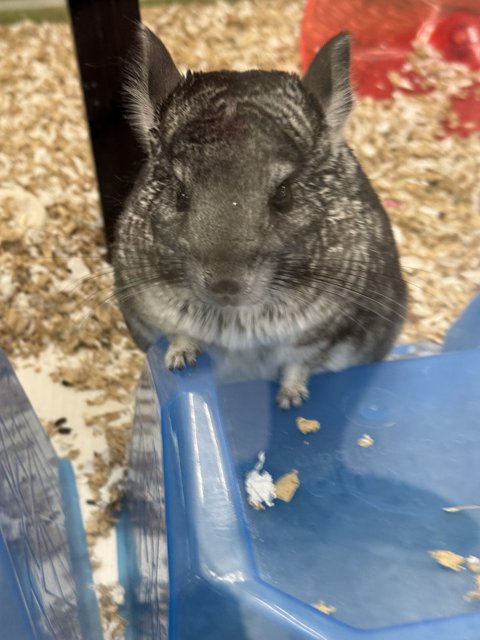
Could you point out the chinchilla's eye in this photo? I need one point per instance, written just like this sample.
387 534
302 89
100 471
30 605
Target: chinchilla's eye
183 200
282 199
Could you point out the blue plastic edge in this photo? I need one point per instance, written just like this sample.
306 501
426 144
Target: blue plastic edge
441 628
86 598
126 570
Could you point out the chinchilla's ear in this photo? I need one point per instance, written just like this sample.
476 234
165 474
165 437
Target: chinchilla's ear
150 77
328 79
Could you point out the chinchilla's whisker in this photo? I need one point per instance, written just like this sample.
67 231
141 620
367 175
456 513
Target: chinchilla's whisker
303 302
386 301
342 285
330 262
134 262
337 296
93 297
324 272
339 287
387 275
134 288
365 303
90 277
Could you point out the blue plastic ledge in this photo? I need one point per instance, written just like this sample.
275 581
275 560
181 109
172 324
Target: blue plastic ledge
357 533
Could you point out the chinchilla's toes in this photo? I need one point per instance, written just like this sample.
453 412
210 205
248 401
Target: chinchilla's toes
292 395
181 353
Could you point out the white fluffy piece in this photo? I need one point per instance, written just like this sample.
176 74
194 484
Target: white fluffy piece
259 485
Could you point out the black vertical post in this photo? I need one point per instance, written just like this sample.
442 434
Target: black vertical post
103 32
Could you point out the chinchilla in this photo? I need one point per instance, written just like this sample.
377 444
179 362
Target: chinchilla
252 231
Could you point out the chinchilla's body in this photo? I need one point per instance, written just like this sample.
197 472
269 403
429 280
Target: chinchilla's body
252 231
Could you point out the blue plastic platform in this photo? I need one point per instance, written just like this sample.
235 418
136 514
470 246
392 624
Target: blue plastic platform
357 534
45 577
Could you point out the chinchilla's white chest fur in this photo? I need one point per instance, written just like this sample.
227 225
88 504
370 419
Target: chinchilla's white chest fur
243 342
267 362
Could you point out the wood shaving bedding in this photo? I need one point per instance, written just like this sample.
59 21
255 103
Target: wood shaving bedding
55 286
430 186
110 598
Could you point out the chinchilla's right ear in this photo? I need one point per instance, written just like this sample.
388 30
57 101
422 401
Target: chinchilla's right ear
328 79
151 76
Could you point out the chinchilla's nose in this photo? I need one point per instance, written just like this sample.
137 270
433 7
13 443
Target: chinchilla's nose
225 287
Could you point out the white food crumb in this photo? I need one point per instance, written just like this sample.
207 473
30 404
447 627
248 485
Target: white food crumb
259 485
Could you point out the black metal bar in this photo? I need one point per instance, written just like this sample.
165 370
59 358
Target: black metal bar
103 31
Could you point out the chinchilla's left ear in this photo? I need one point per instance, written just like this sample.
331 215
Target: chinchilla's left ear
151 76
328 79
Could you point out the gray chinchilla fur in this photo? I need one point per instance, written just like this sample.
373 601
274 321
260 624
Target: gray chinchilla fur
252 232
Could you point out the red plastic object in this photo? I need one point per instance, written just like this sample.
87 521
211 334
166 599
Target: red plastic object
383 32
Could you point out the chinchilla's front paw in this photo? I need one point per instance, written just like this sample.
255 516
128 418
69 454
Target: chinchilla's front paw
292 395
181 352
293 386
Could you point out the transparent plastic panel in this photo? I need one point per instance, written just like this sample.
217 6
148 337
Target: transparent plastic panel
44 567
142 536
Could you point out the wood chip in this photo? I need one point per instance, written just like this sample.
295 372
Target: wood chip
324 607
473 564
307 426
475 594
448 559
467 507
365 441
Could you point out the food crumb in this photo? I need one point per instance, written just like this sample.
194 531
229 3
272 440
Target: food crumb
365 441
307 426
287 485
474 595
448 559
473 563
324 607
259 486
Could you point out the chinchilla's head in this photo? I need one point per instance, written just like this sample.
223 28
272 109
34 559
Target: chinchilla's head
236 166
